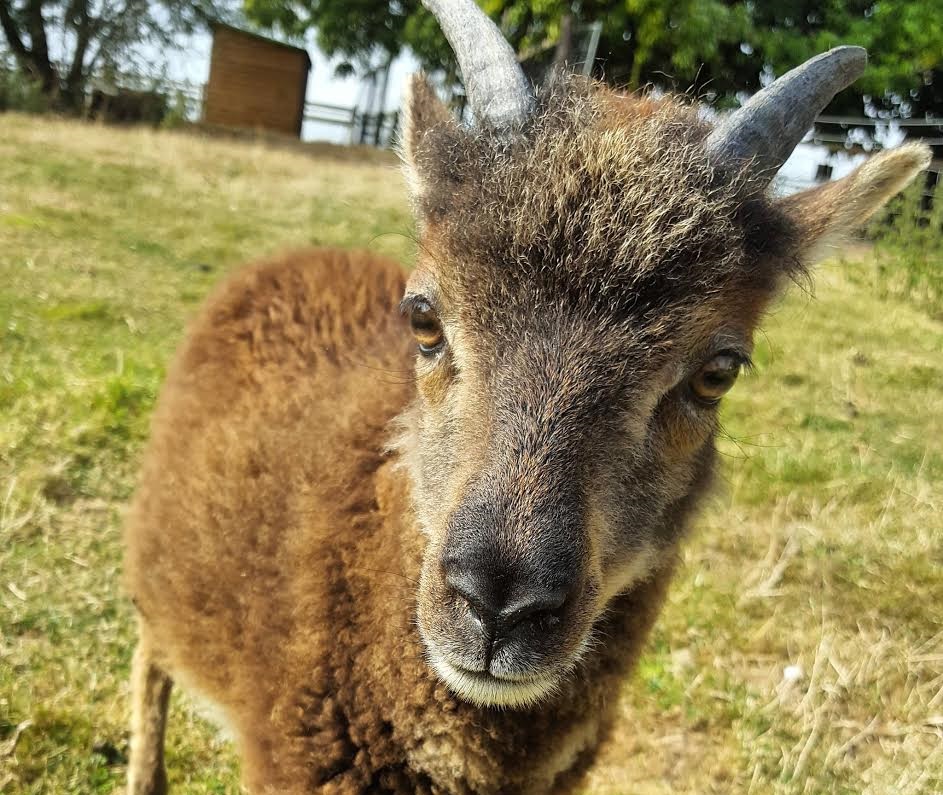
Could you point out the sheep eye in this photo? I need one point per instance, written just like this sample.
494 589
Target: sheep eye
427 328
716 377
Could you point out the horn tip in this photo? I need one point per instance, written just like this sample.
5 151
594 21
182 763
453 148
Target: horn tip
852 58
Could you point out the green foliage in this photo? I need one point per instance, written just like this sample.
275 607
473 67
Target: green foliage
60 44
176 113
20 93
908 249
716 47
353 29
687 34
904 39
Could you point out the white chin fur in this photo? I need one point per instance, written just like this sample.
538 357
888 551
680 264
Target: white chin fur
486 691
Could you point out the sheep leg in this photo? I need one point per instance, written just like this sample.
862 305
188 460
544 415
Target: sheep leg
150 694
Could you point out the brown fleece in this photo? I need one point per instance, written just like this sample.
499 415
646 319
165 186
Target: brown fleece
272 555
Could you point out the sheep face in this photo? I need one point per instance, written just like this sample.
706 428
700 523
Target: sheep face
584 296
586 293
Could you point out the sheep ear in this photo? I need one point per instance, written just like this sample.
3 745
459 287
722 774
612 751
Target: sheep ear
426 127
825 214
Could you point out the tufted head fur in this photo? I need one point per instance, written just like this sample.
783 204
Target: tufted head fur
586 289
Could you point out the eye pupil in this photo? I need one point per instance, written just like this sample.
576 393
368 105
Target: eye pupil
426 328
716 377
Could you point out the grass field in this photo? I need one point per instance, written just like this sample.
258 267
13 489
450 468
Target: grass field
802 647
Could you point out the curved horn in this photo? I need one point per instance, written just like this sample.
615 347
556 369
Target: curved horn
496 87
773 121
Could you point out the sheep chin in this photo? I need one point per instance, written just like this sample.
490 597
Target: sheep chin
484 690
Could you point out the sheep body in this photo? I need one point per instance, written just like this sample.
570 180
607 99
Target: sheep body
310 471
271 554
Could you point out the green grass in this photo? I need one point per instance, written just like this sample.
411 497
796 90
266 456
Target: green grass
822 550
908 257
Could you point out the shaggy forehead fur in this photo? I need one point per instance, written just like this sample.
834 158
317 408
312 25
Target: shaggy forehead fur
604 199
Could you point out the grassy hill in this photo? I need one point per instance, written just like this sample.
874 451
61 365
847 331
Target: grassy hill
802 647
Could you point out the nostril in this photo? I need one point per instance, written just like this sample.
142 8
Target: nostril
480 593
544 608
469 590
471 610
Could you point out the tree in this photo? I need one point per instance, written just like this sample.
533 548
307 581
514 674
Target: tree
359 31
904 39
91 34
713 47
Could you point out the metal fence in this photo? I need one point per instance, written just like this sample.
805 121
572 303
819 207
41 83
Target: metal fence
861 133
185 102
375 129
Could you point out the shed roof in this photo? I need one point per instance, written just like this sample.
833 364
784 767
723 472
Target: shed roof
216 25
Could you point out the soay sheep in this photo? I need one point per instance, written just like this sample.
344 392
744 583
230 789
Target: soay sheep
436 584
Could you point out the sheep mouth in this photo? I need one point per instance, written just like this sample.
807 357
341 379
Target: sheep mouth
484 689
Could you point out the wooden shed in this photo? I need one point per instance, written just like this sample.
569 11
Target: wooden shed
255 82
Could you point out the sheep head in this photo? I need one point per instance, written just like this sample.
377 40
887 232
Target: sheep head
592 269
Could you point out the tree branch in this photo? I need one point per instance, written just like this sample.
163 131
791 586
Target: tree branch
78 17
36 26
23 55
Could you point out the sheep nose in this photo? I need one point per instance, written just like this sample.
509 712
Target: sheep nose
500 608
